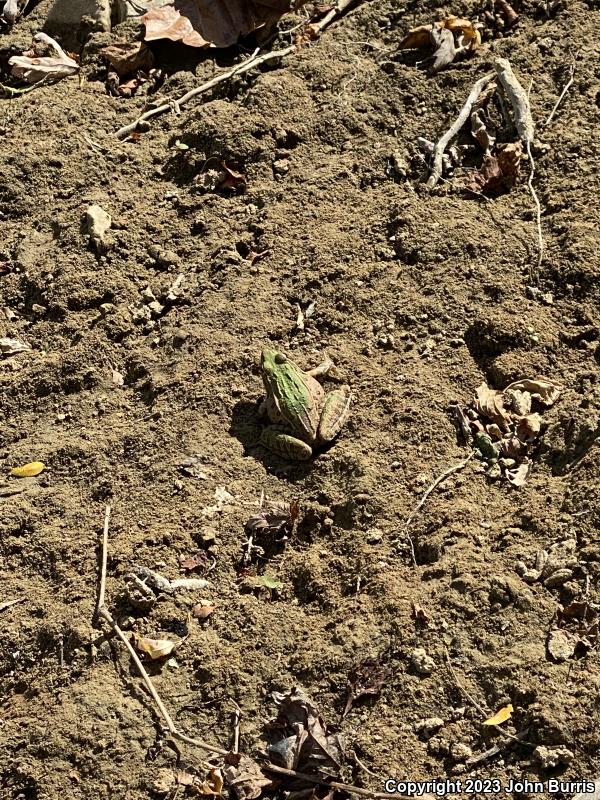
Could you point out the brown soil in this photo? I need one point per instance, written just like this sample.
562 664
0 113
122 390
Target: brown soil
418 298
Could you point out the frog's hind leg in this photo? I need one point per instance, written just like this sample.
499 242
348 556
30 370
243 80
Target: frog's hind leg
336 408
321 369
278 439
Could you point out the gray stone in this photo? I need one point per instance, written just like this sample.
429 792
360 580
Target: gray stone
69 13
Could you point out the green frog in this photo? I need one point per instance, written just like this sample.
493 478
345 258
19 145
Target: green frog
303 415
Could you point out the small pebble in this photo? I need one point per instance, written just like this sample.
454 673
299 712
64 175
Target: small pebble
421 662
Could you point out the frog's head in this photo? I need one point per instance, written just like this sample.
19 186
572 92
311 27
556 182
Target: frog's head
274 366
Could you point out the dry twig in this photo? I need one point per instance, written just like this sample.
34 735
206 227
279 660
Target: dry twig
10 603
440 148
519 99
440 479
253 61
103 612
566 88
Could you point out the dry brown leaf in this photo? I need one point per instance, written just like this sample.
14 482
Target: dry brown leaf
244 777
128 57
32 68
177 23
542 389
417 38
509 160
445 50
518 477
153 648
202 23
233 179
490 404
202 612
367 679
529 427
212 784
304 741
469 32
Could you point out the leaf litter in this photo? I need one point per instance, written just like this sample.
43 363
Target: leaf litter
575 630
504 428
204 23
447 38
367 680
33 68
303 741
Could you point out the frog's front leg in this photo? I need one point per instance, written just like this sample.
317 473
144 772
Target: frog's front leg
279 439
336 408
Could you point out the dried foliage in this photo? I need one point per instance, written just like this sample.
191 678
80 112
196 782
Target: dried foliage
447 38
367 680
304 742
504 428
202 23
33 68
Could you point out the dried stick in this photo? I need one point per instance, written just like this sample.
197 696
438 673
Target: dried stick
344 787
10 603
440 148
173 730
103 612
518 99
253 61
428 491
104 557
567 86
332 15
535 271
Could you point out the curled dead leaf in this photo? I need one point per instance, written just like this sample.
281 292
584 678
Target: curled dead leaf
9 347
128 57
202 23
153 648
542 389
32 68
529 427
518 477
490 403
212 785
417 38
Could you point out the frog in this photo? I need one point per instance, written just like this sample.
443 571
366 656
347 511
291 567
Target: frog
303 416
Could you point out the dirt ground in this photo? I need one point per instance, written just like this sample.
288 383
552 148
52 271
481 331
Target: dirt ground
418 297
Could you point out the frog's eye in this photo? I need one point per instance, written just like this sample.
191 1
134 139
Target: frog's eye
280 358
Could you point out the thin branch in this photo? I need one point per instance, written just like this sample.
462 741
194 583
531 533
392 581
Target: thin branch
343 787
567 86
103 563
253 61
535 271
173 730
428 491
440 148
519 99
10 603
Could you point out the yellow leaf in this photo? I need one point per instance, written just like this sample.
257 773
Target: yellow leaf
153 648
28 470
500 716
